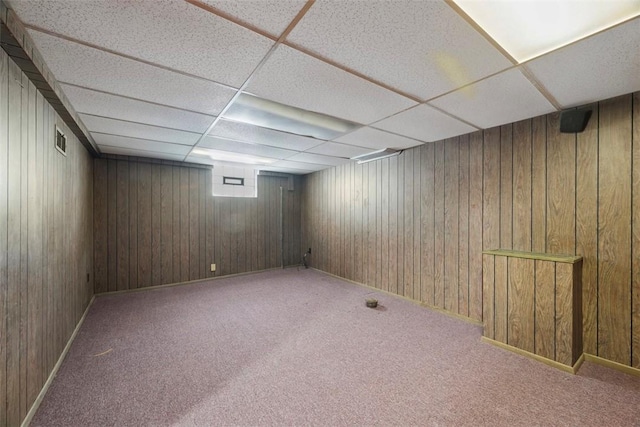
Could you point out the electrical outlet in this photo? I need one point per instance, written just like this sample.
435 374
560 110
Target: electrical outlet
213 267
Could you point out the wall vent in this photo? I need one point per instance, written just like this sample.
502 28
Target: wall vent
61 141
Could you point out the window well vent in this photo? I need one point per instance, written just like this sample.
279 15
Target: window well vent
61 141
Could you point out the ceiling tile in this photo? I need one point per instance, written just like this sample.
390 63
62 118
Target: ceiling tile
254 134
377 139
174 34
118 107
425 124
491 102
139 144
239 147
140 153
423 48
299 165
318 159
599 67
339 150
84 66
293 78
286 170
136 130
271 16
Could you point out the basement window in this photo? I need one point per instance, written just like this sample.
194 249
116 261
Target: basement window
61 141
234 181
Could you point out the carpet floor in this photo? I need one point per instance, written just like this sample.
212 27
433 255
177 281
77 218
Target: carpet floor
298 347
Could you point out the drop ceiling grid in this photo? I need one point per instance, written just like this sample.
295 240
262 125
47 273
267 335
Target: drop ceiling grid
424 123
137 130
95 69
421 48
490 102
140 144
376 139
123 108
293 78
246 148
614 53
212 47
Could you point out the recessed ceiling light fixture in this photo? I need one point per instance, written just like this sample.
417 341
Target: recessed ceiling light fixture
376 155
273 115
529 28
225 156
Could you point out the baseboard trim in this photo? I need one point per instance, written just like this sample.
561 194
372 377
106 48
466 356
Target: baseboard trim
36 404
570 369
189 282
411 300
611 364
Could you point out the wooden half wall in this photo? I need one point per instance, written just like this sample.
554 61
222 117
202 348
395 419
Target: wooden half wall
416 224
158 223
46 240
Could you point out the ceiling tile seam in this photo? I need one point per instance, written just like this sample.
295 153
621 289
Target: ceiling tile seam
138 138
230 139
273 48
540 87
453 5
137 99
124 55
446 113
288 156
138 123
344 144
137 149
231 19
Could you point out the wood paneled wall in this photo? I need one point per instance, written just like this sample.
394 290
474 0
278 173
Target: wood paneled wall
46 241
158 223
416 224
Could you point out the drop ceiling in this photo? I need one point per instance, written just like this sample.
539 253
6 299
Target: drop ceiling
155 78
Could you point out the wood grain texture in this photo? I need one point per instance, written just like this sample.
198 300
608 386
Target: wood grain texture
475 224
400 225
522 185
427 197
539 184
521 303
488 287
439 225
614 230
635 256
564 313
463 227
408 223
451 205
587 227
545 326
393 224
417 224
491 190
506 186
500 299
384 224
46 240
561 184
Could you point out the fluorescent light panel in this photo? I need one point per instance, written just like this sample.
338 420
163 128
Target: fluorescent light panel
273 115
529 28
376 155
225 156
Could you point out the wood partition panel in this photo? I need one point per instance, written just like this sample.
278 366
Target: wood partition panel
46 240
159 223
552 280
522 186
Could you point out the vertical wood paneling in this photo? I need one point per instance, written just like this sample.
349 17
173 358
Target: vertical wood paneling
539 184
545 326
614 230
384 230
373 225
167 212
587 227
451 204
488 287
183 245
393 224
506 187
561 169
400 225
122 225
46 249
175 221
144 225
564 313
417 225
522 186
521 282
463 227
101 230
475 224
635 243
156 225
439 223
194 224
408 223
112 212
427 223
133 225
500 299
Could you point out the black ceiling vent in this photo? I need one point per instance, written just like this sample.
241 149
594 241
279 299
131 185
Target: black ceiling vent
61 141
574 121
